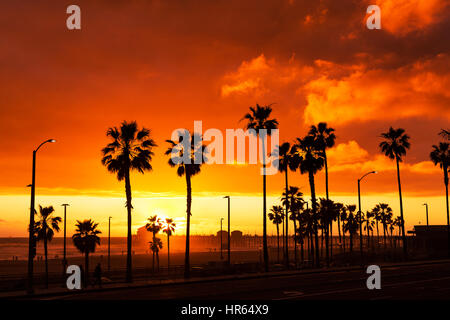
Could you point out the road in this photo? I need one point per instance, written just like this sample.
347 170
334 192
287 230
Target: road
428 281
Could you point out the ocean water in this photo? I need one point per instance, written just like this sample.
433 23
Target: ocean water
18 247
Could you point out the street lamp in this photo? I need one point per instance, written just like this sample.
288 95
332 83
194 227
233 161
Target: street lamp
31 240
426 206
65 205
360 213
221 254
109 244
229 231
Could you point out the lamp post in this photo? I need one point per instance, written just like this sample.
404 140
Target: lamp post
360 213
65 205
229 231
426 206
221 254
109 244
31 240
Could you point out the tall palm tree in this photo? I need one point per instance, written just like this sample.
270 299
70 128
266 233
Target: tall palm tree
395 145
311 160
259 119
154 225
169 229
130 149
45 229
325 138
276 215
187 154
86 239
287 162
441 156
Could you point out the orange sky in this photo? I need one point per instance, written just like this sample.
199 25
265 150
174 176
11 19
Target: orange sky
166 64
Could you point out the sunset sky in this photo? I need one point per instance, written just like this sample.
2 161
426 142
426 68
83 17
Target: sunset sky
168 63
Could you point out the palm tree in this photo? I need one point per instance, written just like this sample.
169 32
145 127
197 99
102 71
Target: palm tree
287 162
369 225
276 215
311 160
130 149
86 239
327 212
258 120
445 134
351 223
343 216
45 229
385 213
395 145
441 156
155 246
187 155
293 199
168 228
154 225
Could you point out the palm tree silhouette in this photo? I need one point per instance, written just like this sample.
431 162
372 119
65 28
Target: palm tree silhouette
327 213
385 214
276 215
155 246
294 200
369 225
168 228
445 134
311 160
154 225
187 154
351 223
287 162
441 156
130 149
395 145
258 119
86 239
45 229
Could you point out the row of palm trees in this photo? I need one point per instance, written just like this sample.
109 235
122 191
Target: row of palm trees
85 238
329 212
154 225
132 149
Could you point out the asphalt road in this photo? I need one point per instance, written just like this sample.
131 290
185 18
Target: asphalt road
429 281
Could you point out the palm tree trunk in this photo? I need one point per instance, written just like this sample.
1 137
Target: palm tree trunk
295 241
331 240
86 269
405 250
187 267
378 237
327 236
368 234
351 242
384 236
326 172
265 250
129 277
339 227
286 252
46 259
168 252
343 236
446 198
313 199
278 243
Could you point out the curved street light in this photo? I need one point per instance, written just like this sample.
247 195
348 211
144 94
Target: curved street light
31 242
360 212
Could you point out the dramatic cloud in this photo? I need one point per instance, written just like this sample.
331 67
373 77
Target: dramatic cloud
420 89
401 17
